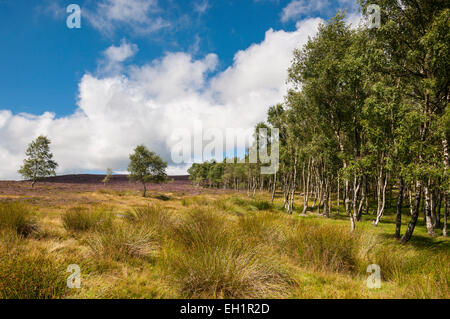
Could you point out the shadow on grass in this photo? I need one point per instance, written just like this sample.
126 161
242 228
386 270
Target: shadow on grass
424 242
162 197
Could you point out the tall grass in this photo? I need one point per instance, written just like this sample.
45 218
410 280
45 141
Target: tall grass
215 247
254 204
325 247
19 218
121 240
28 275
422 274
151 215
83 219
209 259
264 227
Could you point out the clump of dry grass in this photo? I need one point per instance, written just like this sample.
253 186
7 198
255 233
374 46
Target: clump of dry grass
19 218
210 259
264 227
122 240
84 219
325 247
151 215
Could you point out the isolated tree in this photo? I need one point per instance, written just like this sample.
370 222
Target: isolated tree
39 162
107 177
146 166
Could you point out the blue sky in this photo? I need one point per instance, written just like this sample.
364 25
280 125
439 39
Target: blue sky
50 73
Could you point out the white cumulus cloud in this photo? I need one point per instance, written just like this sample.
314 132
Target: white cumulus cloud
136 104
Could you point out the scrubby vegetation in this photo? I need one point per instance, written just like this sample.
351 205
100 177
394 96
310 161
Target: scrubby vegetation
212 246
18 218
31 275
83 219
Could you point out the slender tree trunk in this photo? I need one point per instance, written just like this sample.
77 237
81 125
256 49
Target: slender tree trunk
337 199
306 192
346 186
411 206
412 224
433 207
398 219
316 191
294 186
356 187
429 220
389 202
446 193
437 214
444 230
145 190
326 211
347 205
274 186
363 198
330 195
380 211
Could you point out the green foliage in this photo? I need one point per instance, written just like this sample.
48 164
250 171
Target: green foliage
39 162
31 276
145 166
367 109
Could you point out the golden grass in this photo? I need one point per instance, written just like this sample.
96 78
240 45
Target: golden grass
19 218
207 246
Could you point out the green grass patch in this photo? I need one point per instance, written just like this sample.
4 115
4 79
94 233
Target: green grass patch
26 275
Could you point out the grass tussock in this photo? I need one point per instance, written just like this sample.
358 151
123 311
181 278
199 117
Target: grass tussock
325 247
30 276
151 215
19 218
80 219
264 227
210 246
121 240
209 259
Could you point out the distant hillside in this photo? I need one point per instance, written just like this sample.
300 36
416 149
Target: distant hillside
95 179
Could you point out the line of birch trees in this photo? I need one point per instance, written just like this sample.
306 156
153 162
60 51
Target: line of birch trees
365 123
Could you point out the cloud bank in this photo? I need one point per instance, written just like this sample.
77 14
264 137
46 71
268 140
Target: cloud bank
121 106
